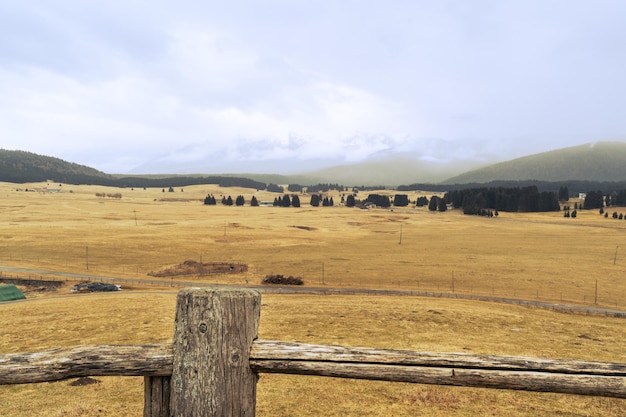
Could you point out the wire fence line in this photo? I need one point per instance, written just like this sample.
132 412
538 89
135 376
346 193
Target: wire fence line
23 276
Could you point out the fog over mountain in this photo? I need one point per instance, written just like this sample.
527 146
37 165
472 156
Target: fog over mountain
294 86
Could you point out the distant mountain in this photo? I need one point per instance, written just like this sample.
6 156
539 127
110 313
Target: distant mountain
21 167
391 171
600 161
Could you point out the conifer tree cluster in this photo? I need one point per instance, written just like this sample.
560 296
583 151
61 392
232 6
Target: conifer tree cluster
209 200
401 200
379 200
525 199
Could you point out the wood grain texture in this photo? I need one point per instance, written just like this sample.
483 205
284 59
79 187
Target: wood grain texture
157 396
100 360
595 385
276 350
213 333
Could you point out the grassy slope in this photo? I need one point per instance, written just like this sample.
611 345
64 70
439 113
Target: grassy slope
527 256
603 161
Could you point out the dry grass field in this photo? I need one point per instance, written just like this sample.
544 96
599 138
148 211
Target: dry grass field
542 257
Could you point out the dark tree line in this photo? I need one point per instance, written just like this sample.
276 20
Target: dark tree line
323 188
287 201
617 198
210 200
273 188
525 199
379 200
437 204
573 186
593 200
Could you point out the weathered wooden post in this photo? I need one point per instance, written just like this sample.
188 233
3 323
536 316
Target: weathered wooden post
213 334
156 396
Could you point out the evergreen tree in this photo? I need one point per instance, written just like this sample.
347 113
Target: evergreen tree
275 188
229 201
295 201
254 202
593 200
350 201
379 200
277 202
331 202
286 202
400 200
209 200
315 200
434 203
240 200
442 206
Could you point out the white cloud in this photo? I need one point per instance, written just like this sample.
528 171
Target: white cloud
114 87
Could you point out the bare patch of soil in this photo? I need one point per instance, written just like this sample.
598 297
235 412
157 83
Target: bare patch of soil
309 228
190 267
85 380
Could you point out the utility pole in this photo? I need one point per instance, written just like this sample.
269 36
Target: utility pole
400 235
87 256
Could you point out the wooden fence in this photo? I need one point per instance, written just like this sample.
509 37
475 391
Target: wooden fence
211 367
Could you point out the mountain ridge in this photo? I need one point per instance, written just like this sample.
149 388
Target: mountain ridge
596 161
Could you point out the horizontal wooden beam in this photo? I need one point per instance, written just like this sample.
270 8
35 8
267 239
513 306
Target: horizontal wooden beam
459 369
606 386
275 350
100 360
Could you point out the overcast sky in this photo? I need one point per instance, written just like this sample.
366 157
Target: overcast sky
118 85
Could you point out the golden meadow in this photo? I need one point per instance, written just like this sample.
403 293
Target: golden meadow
542 256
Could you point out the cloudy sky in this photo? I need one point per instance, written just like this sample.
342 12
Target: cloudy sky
122 86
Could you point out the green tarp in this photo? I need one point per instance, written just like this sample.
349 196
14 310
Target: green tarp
10 293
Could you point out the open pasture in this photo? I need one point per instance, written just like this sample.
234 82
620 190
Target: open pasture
541 256
529 256
414 323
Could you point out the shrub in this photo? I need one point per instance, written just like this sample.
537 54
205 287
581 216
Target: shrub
282 280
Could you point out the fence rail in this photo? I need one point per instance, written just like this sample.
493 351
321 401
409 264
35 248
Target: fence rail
212 365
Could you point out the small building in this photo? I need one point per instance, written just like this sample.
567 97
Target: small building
10 293
582 196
